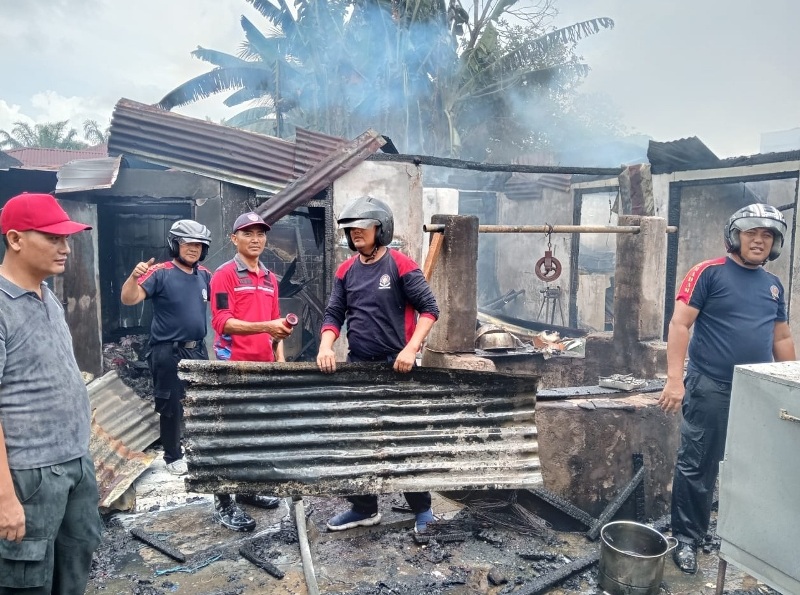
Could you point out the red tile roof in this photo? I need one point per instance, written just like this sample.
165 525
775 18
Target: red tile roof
38 158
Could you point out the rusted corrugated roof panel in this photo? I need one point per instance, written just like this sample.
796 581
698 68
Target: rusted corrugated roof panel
115 465
313 147
320 176
38 158
208 149
122 413
89 174
123 425
288 429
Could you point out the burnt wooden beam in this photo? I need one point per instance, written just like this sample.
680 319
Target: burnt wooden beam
496 167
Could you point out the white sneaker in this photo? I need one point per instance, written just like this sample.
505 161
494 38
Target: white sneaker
178 467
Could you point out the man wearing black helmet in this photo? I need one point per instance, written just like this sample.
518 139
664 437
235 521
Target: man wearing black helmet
738 312
377 291
179 290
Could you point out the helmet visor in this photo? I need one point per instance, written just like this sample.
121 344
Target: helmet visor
748 223
359 223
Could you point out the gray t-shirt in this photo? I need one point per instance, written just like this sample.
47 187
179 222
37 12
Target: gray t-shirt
44 406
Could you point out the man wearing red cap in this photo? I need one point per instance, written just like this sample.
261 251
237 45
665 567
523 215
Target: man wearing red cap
49 524
246 318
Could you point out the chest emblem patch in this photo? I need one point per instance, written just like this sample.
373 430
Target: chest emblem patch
205 295
775 292
385 282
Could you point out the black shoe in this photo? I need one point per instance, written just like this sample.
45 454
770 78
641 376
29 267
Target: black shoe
685 557
258 500
234 518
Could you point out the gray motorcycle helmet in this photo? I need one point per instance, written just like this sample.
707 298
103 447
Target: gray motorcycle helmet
366 211
751 217
186 231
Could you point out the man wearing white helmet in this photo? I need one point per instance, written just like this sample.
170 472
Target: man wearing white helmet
738 312
179 291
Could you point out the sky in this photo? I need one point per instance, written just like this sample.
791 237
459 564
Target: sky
721 70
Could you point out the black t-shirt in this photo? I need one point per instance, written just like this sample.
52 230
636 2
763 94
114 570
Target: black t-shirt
738 307
179 302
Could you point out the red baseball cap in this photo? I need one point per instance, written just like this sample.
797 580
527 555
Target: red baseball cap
248 220
37 212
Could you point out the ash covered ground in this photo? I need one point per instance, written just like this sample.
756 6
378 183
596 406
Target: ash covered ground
483 548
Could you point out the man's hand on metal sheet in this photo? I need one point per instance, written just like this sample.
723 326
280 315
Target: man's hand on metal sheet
12 518
141 268
326 360
405 360
672 396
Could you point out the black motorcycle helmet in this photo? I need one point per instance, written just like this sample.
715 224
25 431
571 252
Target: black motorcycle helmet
751 217
364 212
188 231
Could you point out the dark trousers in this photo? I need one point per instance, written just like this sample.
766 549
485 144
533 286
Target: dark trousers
368 504
703 432
169 392
62 531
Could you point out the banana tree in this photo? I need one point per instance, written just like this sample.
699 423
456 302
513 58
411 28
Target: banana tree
433 77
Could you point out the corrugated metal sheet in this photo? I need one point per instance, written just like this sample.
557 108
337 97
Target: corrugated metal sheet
123 425
320 176
54 158
89 174
212 150
115 465
289 429
313 147
122 413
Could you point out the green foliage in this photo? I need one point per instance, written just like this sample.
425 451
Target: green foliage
435 78
50 135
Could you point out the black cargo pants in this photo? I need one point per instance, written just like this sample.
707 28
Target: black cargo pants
169 391
703 432
62 530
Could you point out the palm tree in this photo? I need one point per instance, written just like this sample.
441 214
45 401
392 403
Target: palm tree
431 76
50 135
93 134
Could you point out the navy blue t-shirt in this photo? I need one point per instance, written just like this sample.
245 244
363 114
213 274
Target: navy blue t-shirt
379 301
738 311
179 302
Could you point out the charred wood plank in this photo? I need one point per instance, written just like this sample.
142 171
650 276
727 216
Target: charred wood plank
638 495
249 553
551 579
495 167
153 542
615 505
564 506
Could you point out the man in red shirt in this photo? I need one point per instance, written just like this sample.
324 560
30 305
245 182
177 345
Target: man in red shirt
245 315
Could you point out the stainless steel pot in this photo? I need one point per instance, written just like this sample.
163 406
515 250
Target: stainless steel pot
491 337
632 558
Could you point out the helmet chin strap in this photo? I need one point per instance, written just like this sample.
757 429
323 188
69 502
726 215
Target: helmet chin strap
747 262
371 256
186 264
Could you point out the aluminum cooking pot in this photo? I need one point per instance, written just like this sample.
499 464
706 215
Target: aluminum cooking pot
491 337
632 558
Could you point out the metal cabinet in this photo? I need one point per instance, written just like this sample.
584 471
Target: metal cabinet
759 499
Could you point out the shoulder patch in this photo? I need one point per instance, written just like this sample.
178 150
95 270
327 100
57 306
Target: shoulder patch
690 280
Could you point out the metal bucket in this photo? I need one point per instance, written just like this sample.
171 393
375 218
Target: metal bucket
632 558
